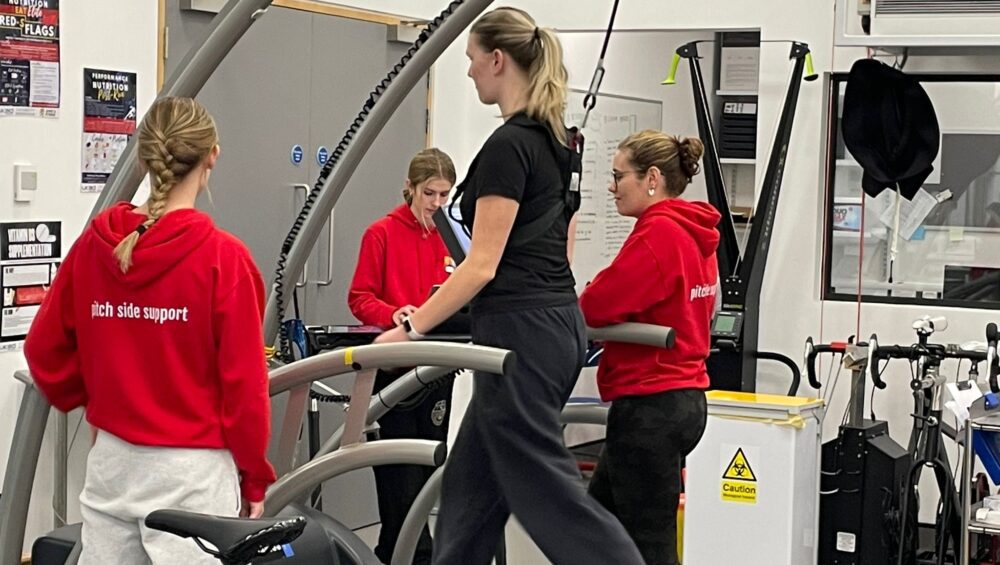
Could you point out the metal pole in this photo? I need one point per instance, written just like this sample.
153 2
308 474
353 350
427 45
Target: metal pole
20 476
296 486
416 519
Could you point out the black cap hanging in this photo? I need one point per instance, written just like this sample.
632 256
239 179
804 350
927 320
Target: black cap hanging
890 128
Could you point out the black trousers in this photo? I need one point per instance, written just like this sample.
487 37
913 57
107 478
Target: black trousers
398 485
509 456
638 475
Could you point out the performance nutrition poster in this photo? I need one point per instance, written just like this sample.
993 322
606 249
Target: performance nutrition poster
30 254
109 111
29 58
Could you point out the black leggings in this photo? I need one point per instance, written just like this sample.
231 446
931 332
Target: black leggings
638 476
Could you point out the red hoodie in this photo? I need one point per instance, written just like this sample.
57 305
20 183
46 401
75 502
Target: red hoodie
170 353
398 264
665 274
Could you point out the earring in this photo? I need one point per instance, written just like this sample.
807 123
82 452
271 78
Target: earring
651 191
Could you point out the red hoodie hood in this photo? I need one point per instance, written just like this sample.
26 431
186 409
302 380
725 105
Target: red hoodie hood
696 218
172 238
404 215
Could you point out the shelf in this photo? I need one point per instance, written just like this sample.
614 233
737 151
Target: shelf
736 161
978 527
735 93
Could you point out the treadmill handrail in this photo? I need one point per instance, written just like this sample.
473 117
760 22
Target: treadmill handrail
585 413
637 333
407 385
352 359
297 485
386 399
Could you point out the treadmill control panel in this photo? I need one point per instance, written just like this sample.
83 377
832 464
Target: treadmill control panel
727 325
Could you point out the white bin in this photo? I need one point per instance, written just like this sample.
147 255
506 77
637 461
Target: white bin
753 482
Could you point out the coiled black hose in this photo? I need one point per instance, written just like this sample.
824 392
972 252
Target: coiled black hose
284 348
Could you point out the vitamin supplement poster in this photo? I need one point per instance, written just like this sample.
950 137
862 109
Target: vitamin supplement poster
30 254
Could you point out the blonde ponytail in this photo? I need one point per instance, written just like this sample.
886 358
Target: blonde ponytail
537 51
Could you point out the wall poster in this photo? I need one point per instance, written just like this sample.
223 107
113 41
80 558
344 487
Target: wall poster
109 111
29 58
30 254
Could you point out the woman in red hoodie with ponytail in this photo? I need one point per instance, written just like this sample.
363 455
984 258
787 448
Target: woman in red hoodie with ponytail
665 274
402 257
154 325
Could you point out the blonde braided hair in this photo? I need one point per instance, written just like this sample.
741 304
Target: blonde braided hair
176 135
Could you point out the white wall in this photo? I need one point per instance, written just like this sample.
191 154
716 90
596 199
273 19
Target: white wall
108 34
635 65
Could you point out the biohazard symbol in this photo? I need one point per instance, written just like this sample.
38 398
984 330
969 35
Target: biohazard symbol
739 468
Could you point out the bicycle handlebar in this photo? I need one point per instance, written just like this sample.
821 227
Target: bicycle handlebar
812 351
914 352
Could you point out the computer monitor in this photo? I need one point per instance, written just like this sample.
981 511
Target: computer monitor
452 232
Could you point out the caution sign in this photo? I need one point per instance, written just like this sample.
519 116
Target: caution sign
739 483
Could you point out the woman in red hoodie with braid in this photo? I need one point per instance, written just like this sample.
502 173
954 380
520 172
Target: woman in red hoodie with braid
402 257
154 325
665 274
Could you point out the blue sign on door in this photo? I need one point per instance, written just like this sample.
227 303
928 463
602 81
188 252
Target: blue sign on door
297 154
322 154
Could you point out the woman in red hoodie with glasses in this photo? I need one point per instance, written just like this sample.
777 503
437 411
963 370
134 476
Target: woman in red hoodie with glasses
154 325
665 274
402 257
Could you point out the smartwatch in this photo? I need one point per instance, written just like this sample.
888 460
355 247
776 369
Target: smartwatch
410 332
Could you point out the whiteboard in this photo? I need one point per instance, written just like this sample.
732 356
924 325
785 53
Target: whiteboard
600 231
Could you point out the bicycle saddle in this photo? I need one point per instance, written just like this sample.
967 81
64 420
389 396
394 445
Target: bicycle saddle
238 540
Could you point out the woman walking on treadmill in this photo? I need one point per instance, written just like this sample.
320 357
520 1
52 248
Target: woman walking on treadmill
509 457
153 324
402 257
665 274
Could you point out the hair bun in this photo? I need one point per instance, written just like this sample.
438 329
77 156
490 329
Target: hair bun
690 150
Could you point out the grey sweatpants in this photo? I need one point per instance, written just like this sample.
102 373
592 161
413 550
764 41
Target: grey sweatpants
126 482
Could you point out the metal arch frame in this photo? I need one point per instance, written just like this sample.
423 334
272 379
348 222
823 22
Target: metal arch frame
30 428
34 411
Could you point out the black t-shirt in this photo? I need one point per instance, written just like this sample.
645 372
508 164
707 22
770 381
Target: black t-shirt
518 162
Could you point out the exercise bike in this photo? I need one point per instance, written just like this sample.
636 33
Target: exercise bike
862 470
927 383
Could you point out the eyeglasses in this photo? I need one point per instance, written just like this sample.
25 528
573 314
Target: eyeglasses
617 176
